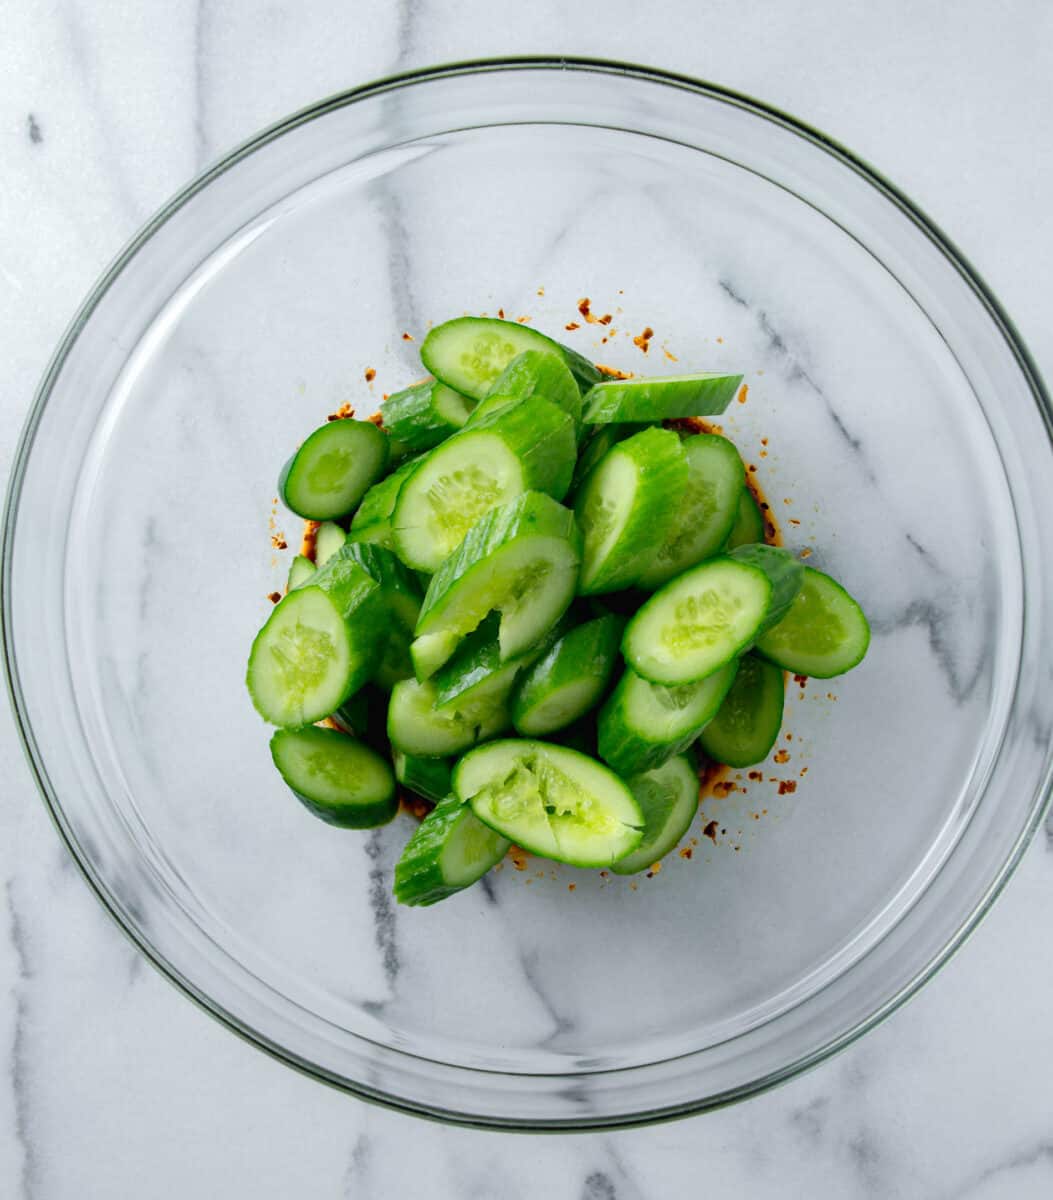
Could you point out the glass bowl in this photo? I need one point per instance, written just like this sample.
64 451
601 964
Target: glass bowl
896 425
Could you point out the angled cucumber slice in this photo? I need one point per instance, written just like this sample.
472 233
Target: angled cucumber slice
749 522
451 850
477 669
668 799
300 570
598 440
422 416
626 507
338 779
331 471
785 573
698 622
533 373
469 353
402 595
642 724
522 560
372 521
569 679
551 801
745 729
659 399
328 540
417 726
824 633
428 777
705 510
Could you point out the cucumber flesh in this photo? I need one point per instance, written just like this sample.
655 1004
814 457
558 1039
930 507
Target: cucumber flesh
422 416
744 731
451 850
551 801
328 540
300 570
476 670
331 471
784 572
600 439
698 622
824 633
668 799
659 399
533 373
372 522
428 777
417 726
337 778
749 522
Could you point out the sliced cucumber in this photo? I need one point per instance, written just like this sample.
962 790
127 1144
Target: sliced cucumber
328 540
372 522
745 729
824 633
469 353
477 670
749 522
319 645
600 439
698 622
331 471
353 715
401 594
569 679
417 726
551 801
668 799
422 416
520 560
428 777
784 572
300 570
704 512
528 447
627 506
643 725
533 373
451 850
338 779
659 399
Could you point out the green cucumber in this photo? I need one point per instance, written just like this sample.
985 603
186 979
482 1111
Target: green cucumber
698 622
569 679
659 399
627 506
450 850
353 715
331 471
319 645
422 416
642 725
705 510
784 572
417 726
469 353
668 799
401 593
372 522
749 522
528 447
477 669
532 373
428 777
521 560
551 801
824 633
327 541
300 570
744 731
337 778
598 440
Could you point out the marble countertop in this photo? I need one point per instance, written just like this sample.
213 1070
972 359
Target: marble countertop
113 1084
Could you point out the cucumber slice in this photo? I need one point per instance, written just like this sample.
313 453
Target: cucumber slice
428 777
749 522
338 779
528 447
627 506
649 399
417 726
668 799
300 570
476 670
328 540
745 729
451 850
469 353
784 572
331 471
422 416
571 677
372 522
643 725
401 593
705 511
698 622
599 439
353 715
533 373
319 645
521 560
551 801
824 633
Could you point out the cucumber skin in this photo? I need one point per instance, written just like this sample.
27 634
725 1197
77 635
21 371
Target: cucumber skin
542 435
383 449
418 876
749 523
785 573
372 521
428 777
412 418
368 816
645 855
541 373
658 399
755 673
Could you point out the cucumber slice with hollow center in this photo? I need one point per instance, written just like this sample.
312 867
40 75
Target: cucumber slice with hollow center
627 506
642 724
749 522
533 373
337 778
704 512
784 572
422 416
451 850
698 622
300 570
551 801
745 729
327 541
331 471
417 726
668 799
823 634
659 399
428 777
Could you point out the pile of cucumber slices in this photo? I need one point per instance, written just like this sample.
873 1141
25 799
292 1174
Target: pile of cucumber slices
530 601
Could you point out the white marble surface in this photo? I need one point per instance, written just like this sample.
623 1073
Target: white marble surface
116 1086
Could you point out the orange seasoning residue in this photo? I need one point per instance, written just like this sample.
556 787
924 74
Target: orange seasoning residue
274 597
744 392
377 419
370 374
686 852
782 756
800 680
642 341
571 326
308 544
585 308
670 355
407 337
806 553
501 313
613 372
787 787
344 413
710 832
518 857
571 887
278 541
416 806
